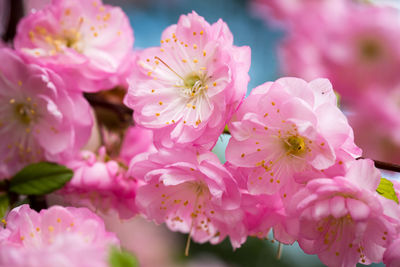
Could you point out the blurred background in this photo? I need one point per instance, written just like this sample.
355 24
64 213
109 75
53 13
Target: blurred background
356 44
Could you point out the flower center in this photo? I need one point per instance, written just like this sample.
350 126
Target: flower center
71 39
370 50
193 85
295 145
24 113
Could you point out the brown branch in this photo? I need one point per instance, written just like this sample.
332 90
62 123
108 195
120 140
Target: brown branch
385 165
16 13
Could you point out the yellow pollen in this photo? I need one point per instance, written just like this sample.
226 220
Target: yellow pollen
194 46
95 34
67 12
51 228
184 60
214 84
194 33
195 61
295 145
201 33
157 114
271 180
273 103
204 53
265 128
152 90
22 238
242 155
37 229
19 83
58 220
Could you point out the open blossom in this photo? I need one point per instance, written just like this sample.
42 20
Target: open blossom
287 127
57 236
191 192
101 184
356 50
343 219
187 89
87 43
39 119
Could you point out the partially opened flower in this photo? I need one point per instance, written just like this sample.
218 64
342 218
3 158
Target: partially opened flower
101 184
57 236
39 119
87 43
187 89
288 127
343 219
191 192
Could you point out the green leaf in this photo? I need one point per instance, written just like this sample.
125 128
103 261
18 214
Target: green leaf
118 258
4 204
386 190
40 178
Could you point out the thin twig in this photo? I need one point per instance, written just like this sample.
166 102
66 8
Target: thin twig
385 165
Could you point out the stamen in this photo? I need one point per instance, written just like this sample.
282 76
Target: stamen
166 65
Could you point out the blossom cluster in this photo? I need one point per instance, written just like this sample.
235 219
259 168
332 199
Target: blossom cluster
292 166
355 46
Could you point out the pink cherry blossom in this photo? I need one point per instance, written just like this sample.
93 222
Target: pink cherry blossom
87 43
101 184
191 192
57 236
287 127
39 119
187 89
356 49
343 219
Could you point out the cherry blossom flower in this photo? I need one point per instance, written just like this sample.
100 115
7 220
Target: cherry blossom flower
187 89
39 119
287 127
343 219
101 184
57 236
191 192
356 50
87 43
